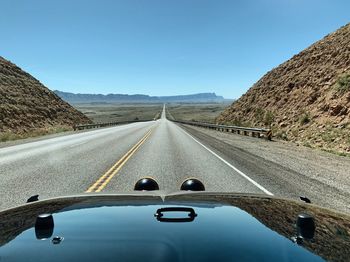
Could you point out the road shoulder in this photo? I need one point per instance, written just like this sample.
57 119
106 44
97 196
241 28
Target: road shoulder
326 173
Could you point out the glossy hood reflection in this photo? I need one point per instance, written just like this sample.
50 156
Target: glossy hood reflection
220 228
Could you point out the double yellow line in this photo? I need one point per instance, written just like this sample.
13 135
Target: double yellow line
104 179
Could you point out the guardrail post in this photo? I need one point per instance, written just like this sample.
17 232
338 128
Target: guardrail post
269 135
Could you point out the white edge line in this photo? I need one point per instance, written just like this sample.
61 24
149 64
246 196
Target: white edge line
234 168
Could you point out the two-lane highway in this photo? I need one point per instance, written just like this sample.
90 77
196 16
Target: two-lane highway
170 155
82 163
111 160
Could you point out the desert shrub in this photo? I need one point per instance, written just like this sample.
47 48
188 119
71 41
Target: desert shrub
328 137
269 118
236 122
305 118
295 132
343 83
307 144
259 114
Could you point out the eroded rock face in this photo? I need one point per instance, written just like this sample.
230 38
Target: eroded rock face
26 104
303 92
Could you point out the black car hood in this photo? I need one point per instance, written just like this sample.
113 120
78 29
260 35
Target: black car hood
125 228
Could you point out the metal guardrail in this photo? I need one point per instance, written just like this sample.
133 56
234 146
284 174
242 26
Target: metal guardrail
89 126
254 132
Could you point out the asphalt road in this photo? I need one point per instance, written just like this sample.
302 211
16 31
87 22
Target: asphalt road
111 160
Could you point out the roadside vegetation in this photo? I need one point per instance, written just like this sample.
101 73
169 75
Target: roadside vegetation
269 118
342 84
105 112
305 118
196 112
10 136
327 137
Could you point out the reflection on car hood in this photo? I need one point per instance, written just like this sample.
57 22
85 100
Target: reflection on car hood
124 227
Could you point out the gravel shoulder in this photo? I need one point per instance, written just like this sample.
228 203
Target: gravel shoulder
322 176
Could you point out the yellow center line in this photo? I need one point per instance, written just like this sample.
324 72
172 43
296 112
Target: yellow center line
104 179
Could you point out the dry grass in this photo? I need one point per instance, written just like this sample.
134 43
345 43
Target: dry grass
10 136
196 112
101 113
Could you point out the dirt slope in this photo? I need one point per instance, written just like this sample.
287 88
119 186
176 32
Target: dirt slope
306 99
27 105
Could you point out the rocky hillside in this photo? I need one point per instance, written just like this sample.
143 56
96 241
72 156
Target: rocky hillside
306 99
26 105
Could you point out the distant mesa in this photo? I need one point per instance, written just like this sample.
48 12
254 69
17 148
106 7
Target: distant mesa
306 99
138 98
27 105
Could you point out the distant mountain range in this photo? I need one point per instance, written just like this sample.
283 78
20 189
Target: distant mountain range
121 98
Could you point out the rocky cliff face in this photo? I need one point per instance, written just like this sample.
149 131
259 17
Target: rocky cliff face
26 105
306 99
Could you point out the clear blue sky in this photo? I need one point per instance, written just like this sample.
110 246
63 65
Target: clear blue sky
160 47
